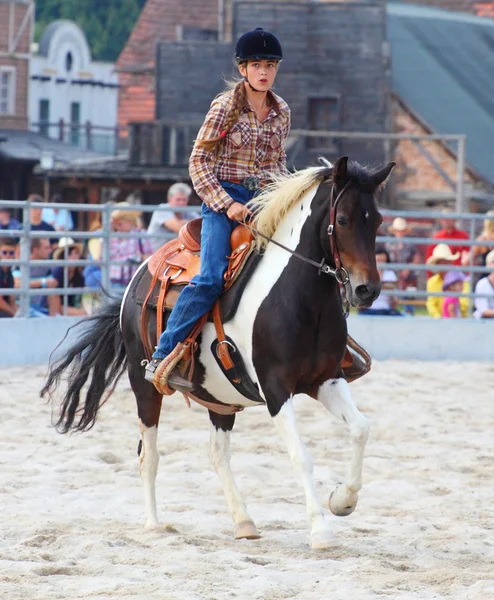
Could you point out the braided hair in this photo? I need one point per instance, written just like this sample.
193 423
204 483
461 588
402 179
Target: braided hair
239 100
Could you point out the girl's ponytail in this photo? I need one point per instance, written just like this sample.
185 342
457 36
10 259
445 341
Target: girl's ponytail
239 100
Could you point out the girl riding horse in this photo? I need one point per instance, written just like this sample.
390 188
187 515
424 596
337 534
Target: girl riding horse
239 149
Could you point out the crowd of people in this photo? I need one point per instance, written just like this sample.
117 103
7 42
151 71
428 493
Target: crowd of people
451 283
128 252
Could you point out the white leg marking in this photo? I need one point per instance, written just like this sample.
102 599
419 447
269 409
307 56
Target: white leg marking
335 396
286 425
220 455
148 467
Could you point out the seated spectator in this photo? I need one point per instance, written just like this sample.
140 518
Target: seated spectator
133 250
40 278
59 218
7 221
384 303
75 277
452 282
167 222
37 223
449 231
484 307
8 306
442 255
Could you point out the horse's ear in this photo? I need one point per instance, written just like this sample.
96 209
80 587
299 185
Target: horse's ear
340 170
381 176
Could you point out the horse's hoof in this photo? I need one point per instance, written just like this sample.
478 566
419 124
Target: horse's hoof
321 540
246 530
151 524
342 501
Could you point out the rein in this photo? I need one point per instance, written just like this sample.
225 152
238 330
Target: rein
339 273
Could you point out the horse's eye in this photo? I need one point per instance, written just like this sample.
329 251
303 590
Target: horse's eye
341 221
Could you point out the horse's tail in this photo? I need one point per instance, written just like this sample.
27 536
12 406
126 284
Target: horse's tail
98 357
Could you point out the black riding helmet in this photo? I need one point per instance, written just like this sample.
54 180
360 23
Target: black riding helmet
258 45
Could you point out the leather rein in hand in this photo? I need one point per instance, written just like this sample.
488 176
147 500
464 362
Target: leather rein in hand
339 273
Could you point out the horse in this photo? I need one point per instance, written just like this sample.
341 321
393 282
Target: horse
290 329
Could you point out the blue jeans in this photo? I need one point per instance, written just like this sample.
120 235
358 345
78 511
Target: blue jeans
197 298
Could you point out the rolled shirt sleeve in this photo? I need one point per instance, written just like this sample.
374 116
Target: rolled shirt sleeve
204 180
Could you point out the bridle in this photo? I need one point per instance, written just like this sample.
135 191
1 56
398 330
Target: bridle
339 272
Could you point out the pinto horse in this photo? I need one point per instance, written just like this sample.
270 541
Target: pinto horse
289 328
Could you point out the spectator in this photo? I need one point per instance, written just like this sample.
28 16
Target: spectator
442 255
75 277
59 218
484 307
7 221
384 304
133 250
450 231
166 222
40 278
8 307
452 282
404 253
37 223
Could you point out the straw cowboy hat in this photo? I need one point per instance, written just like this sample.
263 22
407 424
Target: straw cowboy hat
442 252
399 224
69 243
125 211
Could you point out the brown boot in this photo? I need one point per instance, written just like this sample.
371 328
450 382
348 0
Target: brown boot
164 373
355 364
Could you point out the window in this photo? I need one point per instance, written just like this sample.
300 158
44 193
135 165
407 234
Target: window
7 90
75 121
44 117
69 61
324 115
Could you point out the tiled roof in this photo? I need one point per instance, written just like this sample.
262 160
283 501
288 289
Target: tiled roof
443 68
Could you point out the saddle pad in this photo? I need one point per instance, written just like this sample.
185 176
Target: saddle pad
229 300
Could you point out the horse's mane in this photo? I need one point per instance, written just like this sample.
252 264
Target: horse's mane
273 203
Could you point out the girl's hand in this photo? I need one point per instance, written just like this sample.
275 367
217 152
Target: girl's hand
238 212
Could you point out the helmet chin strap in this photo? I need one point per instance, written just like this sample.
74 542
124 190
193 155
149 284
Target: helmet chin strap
246 79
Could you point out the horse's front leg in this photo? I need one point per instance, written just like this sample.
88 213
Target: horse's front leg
322 535
335 396
220 454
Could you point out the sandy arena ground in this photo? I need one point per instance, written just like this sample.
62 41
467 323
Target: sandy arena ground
72 512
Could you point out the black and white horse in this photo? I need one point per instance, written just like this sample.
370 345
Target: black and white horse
289 327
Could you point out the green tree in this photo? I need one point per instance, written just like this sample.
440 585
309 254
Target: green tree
107 24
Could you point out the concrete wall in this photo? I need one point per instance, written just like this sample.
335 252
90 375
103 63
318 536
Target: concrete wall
31 341
422 338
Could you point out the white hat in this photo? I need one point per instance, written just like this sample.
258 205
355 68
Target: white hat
442 252
66 242
399 224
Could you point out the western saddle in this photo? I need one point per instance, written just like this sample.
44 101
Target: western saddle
172 267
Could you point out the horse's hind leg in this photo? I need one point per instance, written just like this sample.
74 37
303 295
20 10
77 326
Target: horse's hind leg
220 454
148 410
335 396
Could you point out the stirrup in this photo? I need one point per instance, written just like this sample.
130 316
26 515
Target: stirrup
162 373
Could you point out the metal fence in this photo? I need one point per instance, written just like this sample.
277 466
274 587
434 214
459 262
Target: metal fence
471 223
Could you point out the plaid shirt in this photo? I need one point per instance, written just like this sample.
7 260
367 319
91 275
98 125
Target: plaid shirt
123 249
249 148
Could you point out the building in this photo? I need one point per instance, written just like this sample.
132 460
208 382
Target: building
71 97
443 81
160 20
16 34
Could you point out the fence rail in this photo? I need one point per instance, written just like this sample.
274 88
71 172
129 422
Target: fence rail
25 264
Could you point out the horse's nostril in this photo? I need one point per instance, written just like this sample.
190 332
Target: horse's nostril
364 292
